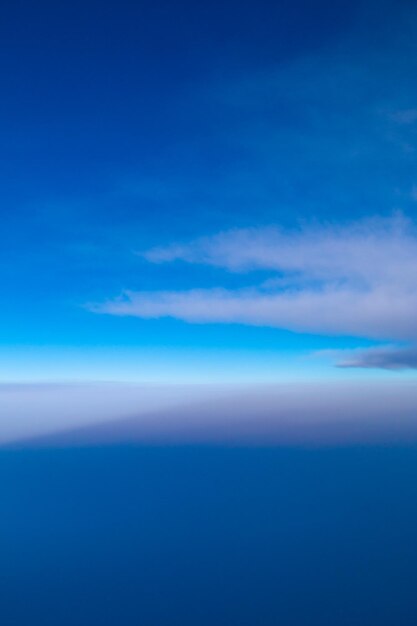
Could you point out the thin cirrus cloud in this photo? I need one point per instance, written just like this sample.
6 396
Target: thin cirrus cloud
357 279
405 116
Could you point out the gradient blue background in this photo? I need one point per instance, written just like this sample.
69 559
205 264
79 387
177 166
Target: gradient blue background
129 125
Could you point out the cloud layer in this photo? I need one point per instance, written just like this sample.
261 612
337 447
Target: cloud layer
357 279
319 413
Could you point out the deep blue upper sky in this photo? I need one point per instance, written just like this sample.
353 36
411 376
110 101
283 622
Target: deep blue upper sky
127 126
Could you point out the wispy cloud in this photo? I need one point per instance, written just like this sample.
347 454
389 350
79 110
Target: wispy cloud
405 116
358 279
368 251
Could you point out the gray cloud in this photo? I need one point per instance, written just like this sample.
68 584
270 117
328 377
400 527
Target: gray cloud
389 358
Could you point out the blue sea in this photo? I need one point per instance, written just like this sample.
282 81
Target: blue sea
208 536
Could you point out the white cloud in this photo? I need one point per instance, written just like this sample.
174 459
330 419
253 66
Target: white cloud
367 252
358 279
377 313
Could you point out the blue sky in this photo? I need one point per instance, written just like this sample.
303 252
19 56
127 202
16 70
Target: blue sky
132 138
208 329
